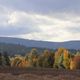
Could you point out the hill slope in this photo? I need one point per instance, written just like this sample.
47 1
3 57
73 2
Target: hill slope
41 44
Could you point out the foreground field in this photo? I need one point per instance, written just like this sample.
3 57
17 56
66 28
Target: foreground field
38 74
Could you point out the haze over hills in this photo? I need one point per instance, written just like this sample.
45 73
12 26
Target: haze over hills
41 44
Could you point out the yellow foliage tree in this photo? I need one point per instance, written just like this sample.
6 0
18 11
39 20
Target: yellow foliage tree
46 53
62 58
72 64
66 60
33 57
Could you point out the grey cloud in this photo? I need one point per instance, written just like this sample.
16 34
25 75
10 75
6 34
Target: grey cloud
46 7
43 6
73 29
13 30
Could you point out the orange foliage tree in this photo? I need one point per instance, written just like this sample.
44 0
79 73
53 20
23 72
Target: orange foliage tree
19 61
75 63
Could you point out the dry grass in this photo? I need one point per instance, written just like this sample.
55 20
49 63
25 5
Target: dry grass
38 74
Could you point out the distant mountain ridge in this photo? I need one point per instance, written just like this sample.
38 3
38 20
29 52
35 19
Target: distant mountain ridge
41 44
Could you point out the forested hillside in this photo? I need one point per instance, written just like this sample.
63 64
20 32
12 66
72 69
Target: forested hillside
41 44
13 49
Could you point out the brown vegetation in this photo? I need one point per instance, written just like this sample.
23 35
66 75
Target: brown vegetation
38 74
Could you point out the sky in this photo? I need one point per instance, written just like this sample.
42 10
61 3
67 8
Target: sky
43 20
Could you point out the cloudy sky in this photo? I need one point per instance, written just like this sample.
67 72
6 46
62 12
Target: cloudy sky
48 20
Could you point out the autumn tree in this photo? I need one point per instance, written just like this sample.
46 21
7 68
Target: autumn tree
75 62
16 61
58 58
77 54
66 60
72 64
19 61
32 57
1 59
40 61
62 58
48 59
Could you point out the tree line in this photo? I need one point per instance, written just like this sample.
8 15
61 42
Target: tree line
60 59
